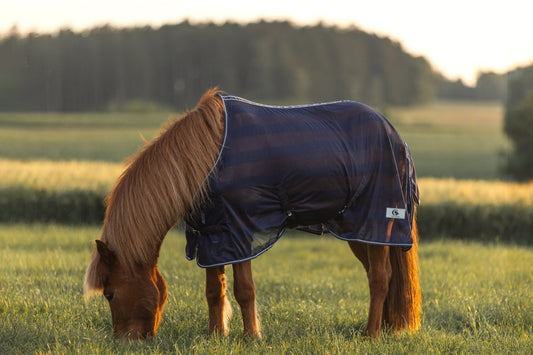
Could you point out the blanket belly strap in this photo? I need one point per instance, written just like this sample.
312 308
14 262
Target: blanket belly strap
356 195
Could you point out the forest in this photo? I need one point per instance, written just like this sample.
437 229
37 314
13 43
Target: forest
171 66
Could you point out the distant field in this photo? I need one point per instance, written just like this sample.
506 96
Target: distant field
460 140
74 191
99 177
453 139
312 299
78 136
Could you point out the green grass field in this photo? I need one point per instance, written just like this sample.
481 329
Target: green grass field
312 292
78 136
312 298
99 177
460 140
451 139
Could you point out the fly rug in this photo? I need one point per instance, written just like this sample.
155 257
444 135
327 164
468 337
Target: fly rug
336 167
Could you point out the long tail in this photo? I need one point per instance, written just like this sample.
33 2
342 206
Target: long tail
402 306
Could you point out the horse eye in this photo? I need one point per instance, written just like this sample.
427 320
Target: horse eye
109 296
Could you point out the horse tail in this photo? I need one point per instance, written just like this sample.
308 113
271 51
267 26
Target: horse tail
402 306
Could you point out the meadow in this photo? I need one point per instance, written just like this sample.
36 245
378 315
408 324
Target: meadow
100 177
461 140
312 298
109 137
475 253
447 140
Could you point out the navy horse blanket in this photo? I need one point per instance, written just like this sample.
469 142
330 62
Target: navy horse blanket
336 167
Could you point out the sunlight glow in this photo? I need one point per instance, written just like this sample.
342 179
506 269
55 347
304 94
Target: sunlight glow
459 37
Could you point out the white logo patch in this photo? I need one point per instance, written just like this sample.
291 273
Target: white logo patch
398 213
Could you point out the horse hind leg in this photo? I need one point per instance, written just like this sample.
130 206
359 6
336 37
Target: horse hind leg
217 301
244 291
375 259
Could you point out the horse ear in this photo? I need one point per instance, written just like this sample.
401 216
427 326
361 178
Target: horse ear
106 255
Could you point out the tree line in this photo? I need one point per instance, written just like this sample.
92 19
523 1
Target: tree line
174 64
489 86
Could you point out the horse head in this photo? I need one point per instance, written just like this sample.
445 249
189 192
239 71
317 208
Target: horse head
136 298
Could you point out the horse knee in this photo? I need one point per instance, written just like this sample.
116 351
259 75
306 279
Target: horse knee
215 289
243 287
215 299
244 293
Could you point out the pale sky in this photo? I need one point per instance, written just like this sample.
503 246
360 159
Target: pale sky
458 37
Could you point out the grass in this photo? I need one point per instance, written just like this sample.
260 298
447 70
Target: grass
459 140
76 136
312 293
312 298
74 191
96 176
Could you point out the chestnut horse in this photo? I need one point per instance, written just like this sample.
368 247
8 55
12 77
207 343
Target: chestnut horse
166 182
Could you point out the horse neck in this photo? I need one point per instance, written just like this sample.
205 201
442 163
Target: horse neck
164 182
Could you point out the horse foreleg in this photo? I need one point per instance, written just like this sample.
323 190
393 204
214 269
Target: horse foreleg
244 291
217 302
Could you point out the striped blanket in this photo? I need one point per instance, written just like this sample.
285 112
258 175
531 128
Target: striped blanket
336 167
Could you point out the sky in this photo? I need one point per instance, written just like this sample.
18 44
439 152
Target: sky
460 38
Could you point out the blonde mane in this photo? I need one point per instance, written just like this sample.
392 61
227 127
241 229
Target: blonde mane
165 181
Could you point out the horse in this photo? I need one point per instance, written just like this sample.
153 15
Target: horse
178 176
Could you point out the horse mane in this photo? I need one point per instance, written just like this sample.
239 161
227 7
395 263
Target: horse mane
164 181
